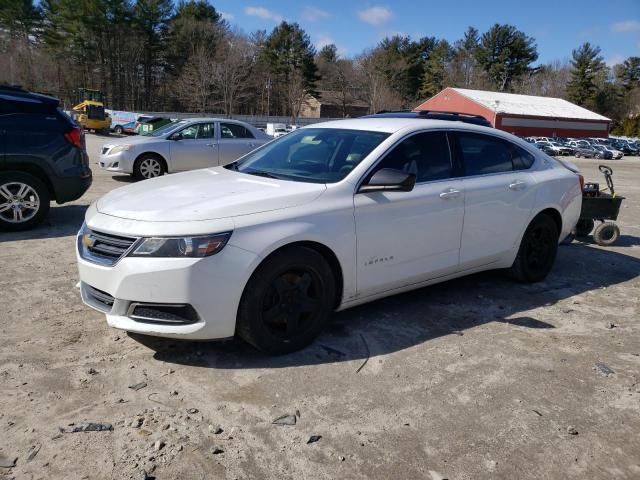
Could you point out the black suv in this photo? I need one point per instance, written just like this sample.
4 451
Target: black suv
42 158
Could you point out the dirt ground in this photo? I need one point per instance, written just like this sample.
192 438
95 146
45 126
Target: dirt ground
476 378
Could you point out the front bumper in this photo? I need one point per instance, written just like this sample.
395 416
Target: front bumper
121 162
213 286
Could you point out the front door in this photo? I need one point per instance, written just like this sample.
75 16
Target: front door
499 196
405 238
194 147
235 141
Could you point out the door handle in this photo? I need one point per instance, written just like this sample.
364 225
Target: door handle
450 193
517 185
212 145
252 145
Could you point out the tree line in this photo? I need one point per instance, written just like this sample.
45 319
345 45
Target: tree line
156 55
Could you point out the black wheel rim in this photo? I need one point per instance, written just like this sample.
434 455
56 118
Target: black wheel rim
290 303
538 248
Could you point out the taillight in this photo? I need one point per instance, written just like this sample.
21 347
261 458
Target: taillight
581 182
74 137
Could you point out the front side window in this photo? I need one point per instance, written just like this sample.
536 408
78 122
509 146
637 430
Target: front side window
188 133
426 155
206 130
314 155
233 130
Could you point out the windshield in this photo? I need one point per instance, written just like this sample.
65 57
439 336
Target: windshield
159 132
315 155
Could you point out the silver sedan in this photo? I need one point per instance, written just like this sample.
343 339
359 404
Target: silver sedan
180 146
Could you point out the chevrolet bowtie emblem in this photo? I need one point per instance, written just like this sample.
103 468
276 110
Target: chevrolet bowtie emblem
88 240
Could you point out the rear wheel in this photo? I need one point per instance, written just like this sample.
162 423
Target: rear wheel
24 201
287 301
149 166
118 129
537 250
607 233
584 227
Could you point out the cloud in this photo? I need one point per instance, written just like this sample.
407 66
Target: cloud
227 16
263 13
626 26
324 40
375 16
313 14
614 60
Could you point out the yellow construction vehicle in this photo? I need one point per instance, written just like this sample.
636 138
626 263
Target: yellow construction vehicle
89 112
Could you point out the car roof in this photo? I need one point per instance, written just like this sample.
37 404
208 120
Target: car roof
395 124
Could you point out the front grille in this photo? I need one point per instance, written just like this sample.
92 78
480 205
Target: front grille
103 248
163 313
98 298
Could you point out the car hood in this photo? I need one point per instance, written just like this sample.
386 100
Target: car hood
134 140
207 194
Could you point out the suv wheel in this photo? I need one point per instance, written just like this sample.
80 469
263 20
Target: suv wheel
537 250
287 301
24 201
118 129
149 166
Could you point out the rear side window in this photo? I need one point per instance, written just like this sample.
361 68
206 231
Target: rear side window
425 154
520 157
484 154
233 130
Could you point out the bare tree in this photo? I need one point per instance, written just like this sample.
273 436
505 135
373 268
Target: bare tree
232 71
194 87
376 90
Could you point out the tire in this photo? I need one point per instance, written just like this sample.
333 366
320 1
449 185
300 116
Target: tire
584 227
118 129
537 251
24 201
287 301
605 234
149 166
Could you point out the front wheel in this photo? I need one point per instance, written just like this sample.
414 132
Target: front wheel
287 301
148 166
537 250
24 201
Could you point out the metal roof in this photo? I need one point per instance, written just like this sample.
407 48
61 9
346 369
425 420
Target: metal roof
514 104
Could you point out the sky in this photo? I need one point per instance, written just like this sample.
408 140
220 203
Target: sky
558 26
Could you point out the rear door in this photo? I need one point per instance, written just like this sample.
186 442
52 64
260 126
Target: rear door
405 238
194 147
234 141
499 196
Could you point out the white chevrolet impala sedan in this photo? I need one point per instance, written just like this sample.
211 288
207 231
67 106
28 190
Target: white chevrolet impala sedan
327 217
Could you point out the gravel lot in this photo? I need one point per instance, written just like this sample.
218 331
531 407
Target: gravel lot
472 379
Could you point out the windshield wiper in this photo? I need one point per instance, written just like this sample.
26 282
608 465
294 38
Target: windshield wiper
261 173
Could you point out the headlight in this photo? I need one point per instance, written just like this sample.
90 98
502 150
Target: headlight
120 148
193 247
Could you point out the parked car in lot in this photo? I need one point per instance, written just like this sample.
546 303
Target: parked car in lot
626 148
583 150
557 148
325 218
184 145
615 154
131 128
43 158
602 152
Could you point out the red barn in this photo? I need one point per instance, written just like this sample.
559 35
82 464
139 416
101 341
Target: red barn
523 115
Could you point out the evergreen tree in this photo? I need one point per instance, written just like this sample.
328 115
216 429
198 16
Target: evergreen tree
587 66
505 53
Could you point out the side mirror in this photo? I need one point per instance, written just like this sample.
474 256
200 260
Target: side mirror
176 137
389 180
